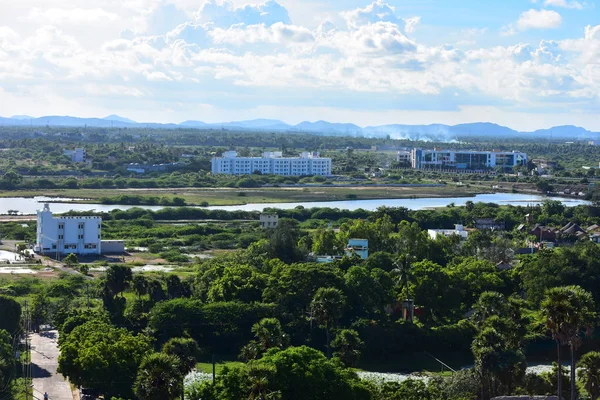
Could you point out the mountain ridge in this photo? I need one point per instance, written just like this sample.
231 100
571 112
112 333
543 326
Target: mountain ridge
430 132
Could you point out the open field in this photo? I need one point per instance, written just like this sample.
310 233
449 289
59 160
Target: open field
228 196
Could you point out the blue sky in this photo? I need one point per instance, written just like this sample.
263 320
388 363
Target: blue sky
521 63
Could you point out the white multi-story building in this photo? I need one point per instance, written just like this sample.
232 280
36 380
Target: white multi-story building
404 156
268 220
459 231
77 156
64 235
271 163
466 159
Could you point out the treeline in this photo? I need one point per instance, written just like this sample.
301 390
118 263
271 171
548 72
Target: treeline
135 200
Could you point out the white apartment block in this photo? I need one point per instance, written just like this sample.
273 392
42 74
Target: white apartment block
77 156
271 163
268 220
466 159
64 235
404 156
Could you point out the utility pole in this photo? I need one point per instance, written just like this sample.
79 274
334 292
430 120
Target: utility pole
27 362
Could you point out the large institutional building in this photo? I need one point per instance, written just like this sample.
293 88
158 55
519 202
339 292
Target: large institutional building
271 163
64 235
466 159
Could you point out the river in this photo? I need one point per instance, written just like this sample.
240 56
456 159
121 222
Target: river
60 205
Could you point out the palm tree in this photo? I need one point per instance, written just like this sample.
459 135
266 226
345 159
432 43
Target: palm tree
268 333
402 267
567 310
327 307
186 352
158 378
589 366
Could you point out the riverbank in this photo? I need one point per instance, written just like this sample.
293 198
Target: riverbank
241 196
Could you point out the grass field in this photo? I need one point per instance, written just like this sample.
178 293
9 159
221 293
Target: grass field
226 196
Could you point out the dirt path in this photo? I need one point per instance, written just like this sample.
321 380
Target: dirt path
44 359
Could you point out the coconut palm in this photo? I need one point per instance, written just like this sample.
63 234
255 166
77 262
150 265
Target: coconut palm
327 307
402 267
567 311
589 370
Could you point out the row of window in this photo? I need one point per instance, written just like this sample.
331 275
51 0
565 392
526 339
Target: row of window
74 246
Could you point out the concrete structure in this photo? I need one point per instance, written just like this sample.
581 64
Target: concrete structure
44 360
113 246
358 246
268 221
458 230
465 159
147 168
272 163
489 223
65 235
404 157
77 156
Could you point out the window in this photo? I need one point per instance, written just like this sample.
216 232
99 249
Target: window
54 247
61 226
61 237
81 225
79 236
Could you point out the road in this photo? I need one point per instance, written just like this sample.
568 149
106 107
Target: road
44 359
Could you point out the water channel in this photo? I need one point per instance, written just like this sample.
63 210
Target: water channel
60 205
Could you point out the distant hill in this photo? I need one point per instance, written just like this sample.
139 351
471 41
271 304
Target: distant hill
114 117
570 131
432 132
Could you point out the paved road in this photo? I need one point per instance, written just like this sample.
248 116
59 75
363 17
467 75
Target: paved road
44 357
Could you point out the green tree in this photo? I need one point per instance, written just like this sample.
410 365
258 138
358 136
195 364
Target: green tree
567 310
186 351
71 260
348 347
327 307
139 284
99 356
589 373
325 243
117 279
158 378
7 362
11 315
268 334
283 241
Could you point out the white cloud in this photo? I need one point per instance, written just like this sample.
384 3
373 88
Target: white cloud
564 4
224 13
76 16
255 55
375 12
411 24
539 19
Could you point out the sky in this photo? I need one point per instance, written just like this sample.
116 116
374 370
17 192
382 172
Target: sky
526 64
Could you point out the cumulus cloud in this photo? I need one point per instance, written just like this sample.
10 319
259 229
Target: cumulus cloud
539 19
256 54
79 16
411 24
375 12
223 13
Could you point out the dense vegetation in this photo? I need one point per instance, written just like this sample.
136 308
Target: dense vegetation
299 325
299 328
